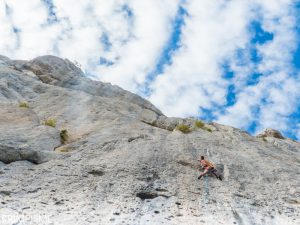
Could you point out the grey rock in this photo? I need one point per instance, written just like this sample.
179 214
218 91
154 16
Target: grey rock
271 133
22 137
59 72
124 161
4 58
163 122
4 61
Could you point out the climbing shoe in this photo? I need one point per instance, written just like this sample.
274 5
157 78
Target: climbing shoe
199 177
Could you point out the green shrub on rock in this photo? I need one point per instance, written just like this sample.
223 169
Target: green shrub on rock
207 129
50 122
64 135
183 128
199 124
24 105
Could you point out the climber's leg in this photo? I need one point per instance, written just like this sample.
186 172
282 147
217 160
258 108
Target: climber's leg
206 170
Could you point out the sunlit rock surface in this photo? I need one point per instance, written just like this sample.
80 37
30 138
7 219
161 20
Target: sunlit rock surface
124 162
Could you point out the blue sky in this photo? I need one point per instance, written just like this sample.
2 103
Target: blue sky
233 62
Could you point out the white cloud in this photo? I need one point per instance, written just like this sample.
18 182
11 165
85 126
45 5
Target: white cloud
152 23
7 37
212 33
275 96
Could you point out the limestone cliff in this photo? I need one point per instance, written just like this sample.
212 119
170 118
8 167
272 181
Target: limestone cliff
78 151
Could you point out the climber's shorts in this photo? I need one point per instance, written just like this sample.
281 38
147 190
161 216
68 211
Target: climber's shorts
209 169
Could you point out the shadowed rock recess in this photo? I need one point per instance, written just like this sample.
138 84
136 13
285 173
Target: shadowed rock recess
78 151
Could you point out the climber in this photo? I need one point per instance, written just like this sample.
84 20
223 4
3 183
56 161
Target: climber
208 168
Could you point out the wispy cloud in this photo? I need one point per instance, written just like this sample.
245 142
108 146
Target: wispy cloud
235 62
272 98
194 81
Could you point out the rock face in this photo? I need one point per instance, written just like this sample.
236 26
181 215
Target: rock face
124 162
270 133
